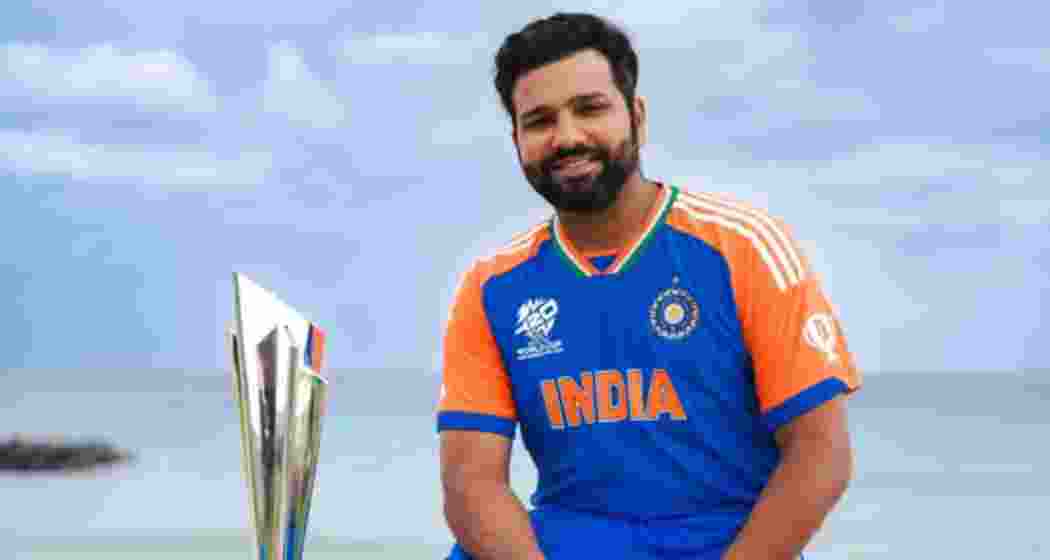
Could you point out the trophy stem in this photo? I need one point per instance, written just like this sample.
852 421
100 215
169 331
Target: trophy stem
309 392
281 407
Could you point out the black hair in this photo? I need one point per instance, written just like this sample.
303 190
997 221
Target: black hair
559 36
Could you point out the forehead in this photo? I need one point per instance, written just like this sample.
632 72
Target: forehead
582 73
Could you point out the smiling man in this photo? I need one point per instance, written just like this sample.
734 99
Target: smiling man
676 372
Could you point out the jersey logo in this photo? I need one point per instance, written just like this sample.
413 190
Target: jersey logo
611 396
820 333
674 314
536 319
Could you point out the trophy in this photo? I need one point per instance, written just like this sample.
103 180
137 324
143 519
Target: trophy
280 394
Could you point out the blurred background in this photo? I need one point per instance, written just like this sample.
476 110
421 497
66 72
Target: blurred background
355 158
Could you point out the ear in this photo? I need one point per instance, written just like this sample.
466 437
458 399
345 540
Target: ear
641 119
514 139
514 142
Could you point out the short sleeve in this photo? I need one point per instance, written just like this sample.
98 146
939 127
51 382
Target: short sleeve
797 344
475 388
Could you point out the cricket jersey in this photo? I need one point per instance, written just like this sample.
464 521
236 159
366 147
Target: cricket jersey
646 385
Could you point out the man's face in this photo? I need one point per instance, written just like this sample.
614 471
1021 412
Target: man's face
573 132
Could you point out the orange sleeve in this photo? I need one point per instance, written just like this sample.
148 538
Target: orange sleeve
796 341
475 389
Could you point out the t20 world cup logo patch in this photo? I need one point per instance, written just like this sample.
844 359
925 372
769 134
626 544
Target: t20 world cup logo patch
674 314
536 319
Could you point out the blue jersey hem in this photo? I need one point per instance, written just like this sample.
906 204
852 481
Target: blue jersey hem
804 402
477 422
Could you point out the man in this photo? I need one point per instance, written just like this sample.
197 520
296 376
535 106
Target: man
675 369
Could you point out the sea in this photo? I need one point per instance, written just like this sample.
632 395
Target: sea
948 465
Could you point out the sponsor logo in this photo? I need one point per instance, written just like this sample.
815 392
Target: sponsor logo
536 318
819 333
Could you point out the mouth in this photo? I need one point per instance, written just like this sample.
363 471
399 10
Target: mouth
575 166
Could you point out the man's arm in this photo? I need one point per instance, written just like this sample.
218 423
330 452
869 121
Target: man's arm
815 469
483 513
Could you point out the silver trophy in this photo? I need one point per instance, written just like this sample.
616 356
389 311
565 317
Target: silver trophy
281 396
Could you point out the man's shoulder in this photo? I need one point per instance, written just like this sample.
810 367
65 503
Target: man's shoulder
507 255
743 232
699 204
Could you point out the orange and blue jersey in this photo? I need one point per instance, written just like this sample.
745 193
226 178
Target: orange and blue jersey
647 385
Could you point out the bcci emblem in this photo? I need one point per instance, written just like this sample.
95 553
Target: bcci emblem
535 321
675 314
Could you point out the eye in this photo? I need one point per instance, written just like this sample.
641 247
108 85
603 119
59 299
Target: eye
538 122
591 108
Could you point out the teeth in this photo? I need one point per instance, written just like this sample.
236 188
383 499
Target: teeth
570 163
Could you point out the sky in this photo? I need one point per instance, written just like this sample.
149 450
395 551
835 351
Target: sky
354 158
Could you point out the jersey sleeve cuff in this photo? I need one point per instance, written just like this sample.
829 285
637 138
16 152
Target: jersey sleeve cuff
804 402
477 422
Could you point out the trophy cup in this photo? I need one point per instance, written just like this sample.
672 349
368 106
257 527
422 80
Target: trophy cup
281 397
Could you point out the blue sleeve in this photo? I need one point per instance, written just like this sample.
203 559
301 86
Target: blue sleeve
451 420
804 402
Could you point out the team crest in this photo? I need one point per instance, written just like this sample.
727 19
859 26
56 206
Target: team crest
536 318
675 314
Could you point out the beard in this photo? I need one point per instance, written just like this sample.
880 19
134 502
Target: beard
589 193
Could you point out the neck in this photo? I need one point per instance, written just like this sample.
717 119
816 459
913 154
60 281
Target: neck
613 228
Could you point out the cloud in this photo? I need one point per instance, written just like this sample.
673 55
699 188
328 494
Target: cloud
790 101
292 91
707 24
488 123
727 45
155 79
62 153
920 19
1031 58
766 74
427 48
1029 212
982 183
155 16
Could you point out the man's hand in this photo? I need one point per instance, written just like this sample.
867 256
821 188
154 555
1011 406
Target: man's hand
483 513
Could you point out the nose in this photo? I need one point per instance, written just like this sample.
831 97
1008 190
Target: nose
567 133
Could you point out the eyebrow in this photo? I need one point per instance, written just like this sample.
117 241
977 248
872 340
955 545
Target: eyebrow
576 99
